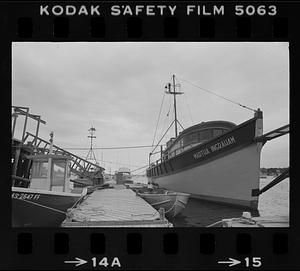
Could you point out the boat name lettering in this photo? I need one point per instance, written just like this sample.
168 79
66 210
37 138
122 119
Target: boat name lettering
224 143
215 147
25 196
201 153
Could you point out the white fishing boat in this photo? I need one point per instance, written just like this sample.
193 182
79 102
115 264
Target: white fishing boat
213 160
172 202
46 200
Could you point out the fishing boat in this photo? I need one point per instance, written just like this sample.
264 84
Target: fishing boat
215 160
123 176
46 199
172 202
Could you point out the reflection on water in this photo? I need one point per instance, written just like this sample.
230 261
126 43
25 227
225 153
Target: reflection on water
200 213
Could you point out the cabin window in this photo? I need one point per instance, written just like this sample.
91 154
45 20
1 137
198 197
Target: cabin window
181 142
205 135
190 138
217 132
39 169
59 171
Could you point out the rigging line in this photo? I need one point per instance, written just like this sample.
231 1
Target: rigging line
167 115
117 163
189 108
158 117
218 95
113 148
139 168
100 148
180 124
142 172
163 136
170 98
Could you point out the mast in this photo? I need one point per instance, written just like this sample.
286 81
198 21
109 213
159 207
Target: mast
49 175
91 154
175 111
174 95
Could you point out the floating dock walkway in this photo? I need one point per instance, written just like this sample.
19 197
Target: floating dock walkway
115 207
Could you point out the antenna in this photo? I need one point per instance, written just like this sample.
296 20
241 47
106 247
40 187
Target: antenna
91 154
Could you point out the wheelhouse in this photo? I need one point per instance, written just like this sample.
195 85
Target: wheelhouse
196 135
50 172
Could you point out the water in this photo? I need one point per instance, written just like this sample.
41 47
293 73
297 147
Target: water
200 213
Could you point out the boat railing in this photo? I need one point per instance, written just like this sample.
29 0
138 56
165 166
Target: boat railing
79 166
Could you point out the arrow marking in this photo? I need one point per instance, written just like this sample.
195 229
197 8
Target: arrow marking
77 262
231 262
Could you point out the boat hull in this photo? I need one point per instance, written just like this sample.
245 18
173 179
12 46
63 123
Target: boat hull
172 203
225 170
38 208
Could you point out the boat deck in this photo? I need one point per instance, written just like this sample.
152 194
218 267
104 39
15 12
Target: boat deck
115 207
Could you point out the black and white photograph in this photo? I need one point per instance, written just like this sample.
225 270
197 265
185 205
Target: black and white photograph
150 134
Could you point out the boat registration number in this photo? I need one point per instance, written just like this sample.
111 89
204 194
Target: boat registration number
25 196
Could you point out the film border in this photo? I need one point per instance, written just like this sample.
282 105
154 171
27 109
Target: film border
197 248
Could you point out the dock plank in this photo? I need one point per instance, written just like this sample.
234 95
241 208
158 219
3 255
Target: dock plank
118 207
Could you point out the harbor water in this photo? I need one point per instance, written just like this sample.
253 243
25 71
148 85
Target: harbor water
199 213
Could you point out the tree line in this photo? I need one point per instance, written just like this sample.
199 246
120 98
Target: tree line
272 170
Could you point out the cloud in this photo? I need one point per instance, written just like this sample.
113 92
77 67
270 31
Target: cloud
118 88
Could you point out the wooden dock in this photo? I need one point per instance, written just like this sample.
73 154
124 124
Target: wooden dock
115 207
255 222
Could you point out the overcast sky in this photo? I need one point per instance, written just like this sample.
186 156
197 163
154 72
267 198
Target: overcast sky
118 88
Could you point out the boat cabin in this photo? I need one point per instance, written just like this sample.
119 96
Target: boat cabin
50 172
196 135
123 176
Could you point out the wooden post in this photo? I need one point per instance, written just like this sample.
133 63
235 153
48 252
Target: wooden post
15 116
25 124
50 166
49 174
37 130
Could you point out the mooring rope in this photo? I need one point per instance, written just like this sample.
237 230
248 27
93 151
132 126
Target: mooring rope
43 206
